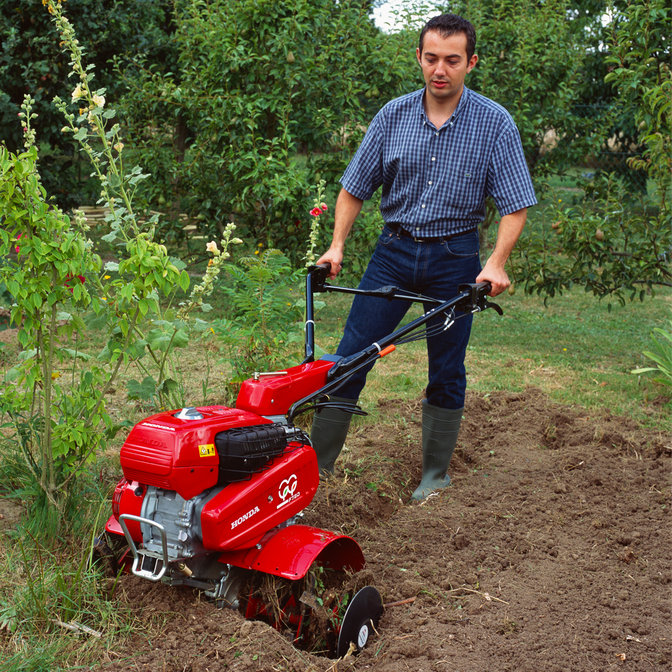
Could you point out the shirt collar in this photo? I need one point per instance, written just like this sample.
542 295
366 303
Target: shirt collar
461 106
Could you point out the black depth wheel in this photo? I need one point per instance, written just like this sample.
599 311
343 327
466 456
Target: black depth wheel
360 620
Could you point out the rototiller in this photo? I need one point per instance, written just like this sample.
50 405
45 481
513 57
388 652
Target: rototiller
211 496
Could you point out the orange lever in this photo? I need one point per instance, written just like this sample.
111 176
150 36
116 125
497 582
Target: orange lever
387 350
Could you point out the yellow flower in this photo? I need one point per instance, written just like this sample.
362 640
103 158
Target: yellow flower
55 374
212 247
106 277
77 93
99 101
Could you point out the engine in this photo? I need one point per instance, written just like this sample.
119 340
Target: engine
206 481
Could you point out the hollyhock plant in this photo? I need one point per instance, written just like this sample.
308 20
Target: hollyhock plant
318 209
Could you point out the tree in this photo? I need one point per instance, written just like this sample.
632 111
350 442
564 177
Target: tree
615 242
267 98
31 63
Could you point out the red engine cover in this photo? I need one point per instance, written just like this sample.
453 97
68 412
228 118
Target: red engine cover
128 497
274 394
240 515
179 454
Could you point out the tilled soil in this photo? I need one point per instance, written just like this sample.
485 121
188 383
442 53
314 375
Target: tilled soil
550 552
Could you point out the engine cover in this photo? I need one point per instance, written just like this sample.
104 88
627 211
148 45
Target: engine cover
173 453
240 514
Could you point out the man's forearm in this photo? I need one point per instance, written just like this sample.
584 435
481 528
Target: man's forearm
347 209
510 228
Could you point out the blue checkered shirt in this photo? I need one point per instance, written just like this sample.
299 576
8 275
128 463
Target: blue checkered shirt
435 182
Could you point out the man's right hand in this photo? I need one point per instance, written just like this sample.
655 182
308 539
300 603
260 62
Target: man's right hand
335 259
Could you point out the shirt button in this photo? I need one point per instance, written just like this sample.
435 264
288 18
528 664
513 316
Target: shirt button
436 133
429 183
433 158
423 205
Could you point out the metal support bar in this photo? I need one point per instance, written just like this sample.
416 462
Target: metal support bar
140 554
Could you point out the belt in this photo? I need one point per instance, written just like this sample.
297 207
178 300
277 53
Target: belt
401 231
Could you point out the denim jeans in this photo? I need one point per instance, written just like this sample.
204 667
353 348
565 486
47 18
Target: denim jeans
434 269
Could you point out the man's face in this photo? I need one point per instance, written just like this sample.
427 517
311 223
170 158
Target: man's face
444 64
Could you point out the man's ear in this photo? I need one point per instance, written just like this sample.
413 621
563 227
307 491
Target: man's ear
472 62
418 55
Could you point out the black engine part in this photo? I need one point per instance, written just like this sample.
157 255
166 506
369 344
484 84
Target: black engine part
246 450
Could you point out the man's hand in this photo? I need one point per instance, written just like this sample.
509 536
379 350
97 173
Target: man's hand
334 257
496 276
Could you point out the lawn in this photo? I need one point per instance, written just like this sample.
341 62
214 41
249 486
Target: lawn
575 348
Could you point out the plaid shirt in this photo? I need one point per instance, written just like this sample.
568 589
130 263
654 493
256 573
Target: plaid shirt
435 181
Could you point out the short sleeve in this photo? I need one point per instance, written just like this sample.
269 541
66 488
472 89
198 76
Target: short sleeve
364 173
509 182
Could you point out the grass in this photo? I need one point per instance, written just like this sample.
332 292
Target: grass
575 349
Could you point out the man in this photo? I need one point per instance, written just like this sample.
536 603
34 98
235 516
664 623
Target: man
437 153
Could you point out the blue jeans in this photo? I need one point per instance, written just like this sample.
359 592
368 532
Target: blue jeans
434 269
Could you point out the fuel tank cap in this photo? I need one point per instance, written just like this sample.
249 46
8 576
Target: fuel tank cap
189 413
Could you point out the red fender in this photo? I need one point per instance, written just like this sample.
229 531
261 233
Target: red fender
290 551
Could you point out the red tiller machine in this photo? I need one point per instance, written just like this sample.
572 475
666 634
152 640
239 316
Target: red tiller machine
211 497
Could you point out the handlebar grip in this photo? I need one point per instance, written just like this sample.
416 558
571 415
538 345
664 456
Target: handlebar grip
476 298
317 276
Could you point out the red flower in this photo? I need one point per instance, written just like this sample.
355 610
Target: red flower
70 277
316 212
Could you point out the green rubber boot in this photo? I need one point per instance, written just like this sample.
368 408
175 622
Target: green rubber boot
330 427
440 427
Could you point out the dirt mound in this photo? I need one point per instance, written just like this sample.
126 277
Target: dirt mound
550 552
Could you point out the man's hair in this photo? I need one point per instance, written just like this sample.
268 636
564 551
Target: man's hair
449 24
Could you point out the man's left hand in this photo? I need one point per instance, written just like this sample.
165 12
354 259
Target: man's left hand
496 276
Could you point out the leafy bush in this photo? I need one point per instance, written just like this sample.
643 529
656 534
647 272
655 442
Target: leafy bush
265 96
661 355
616 242
264 310
54 396
31 61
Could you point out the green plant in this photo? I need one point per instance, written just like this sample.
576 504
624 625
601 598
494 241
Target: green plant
265 96
32 61
607 243
173 330
49 588
616 242
264 309
661 355
54 396
48 280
